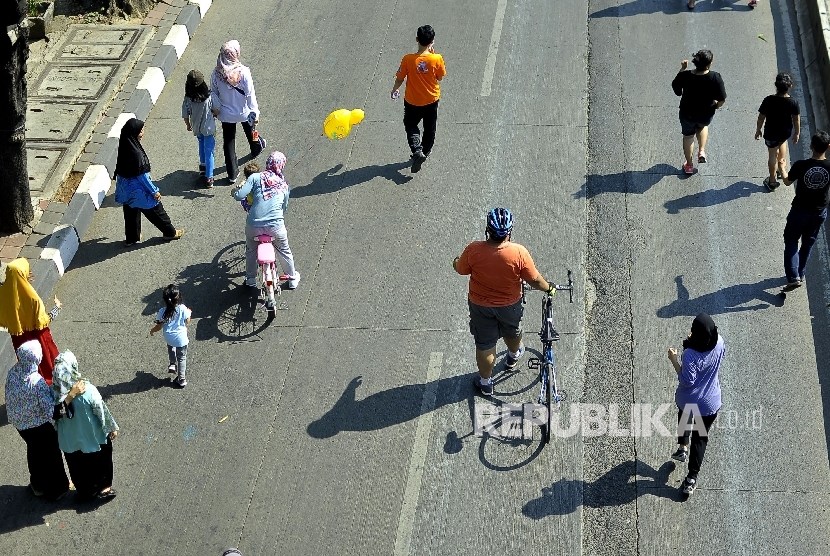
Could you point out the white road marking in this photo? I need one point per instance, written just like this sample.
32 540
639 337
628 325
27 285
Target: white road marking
490 66
406 521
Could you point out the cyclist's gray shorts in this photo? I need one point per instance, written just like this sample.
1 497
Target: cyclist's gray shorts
488 324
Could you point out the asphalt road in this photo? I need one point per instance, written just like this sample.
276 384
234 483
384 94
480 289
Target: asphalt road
350 415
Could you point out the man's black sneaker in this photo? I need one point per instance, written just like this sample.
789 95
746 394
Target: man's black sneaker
417 160
486 389
680 455
771 185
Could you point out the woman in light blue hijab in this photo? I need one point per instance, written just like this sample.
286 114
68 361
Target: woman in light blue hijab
86 435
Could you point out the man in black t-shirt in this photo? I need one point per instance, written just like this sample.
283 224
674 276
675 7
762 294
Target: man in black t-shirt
701 92
779 115
809 209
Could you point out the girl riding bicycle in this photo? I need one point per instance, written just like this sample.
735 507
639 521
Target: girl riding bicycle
267 193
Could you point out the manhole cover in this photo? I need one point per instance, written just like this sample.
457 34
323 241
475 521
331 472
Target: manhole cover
55 121
74 81
40 164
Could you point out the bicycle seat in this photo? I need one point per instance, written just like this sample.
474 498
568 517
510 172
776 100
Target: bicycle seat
265 253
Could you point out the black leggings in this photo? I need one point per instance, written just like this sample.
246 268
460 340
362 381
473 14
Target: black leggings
698 447
157 217
229 146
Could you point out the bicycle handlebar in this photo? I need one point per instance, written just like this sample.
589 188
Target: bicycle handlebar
569 288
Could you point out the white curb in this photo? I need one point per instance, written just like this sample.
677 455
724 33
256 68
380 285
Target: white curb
62 246
153 81
95 183
123 118
178 39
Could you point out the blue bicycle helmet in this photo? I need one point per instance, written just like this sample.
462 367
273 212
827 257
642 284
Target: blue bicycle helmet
499 222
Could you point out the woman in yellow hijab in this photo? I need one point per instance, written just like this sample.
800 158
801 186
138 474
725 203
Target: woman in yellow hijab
23 315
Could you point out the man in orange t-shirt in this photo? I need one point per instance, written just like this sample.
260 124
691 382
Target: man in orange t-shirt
422 72
497 267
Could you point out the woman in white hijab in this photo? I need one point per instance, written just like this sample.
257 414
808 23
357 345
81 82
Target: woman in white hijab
234 102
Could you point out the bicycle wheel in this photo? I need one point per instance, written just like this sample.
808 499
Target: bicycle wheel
549 406
270 302
544 401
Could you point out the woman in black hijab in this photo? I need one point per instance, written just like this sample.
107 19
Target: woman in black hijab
133 188
698 395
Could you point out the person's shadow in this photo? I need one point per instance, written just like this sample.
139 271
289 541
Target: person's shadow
20 509
668 7
624 182
614 488
187 184
384 409
712 197
731 299
330 181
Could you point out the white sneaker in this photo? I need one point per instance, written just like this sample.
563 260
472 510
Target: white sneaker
293 282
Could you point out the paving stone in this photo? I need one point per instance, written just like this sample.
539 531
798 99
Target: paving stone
44 228
56 206
30 251
52 218
38 239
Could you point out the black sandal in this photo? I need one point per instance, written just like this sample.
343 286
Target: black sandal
105 495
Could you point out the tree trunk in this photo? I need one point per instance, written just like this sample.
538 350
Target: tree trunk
15 199
129 8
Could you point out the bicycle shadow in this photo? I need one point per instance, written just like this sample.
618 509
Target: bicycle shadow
330 181
731 299
223 308
621 485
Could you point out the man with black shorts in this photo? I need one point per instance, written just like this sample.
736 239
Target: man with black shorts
701 92
779 115
497 267
809 209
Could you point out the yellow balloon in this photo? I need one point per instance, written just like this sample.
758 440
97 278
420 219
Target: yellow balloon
339 123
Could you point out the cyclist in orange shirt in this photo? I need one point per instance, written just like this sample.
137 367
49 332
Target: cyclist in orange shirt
497 267
422 71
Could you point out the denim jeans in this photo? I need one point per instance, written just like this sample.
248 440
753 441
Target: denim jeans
280 240
206 145
804 225
178 357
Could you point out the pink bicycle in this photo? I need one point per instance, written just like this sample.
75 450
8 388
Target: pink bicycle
268 279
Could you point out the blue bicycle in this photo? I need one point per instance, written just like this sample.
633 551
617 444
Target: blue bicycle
549 393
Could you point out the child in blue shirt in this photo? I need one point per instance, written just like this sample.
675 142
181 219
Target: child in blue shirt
173 320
